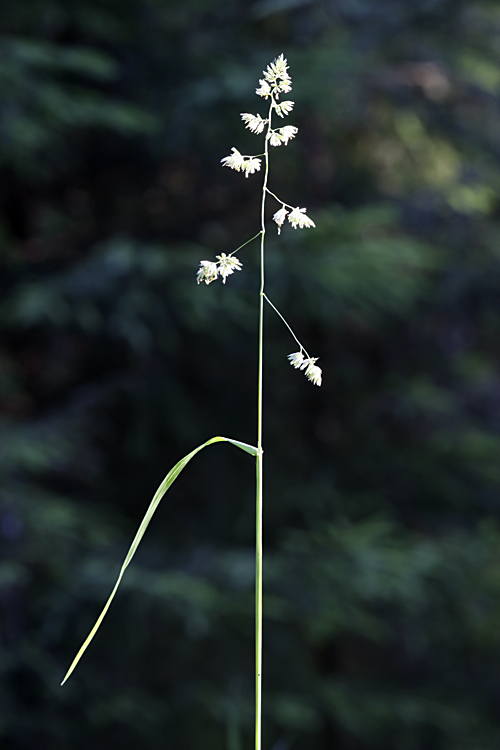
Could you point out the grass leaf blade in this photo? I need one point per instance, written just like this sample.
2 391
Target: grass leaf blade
164 486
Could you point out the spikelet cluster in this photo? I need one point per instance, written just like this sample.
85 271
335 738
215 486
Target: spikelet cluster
225 266
308 364
276 81
297 218
246 164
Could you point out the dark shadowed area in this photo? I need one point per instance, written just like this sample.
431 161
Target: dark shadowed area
382 487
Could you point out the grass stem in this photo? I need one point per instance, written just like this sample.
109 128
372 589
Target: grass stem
259 467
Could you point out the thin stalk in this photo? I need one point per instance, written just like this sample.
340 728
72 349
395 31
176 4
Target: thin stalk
245 243
302 349
279 199
258 492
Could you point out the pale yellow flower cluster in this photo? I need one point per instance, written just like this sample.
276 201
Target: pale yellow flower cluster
297 218
276 80
312 371
209 271
255 123
246 164
281 136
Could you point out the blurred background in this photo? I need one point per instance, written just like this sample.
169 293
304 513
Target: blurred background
382 502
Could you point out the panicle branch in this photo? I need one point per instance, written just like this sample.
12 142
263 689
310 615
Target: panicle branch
297 359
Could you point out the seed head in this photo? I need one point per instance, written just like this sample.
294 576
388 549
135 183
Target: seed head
276 79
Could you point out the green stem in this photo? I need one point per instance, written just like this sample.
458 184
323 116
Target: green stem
258 493
279 200
245 243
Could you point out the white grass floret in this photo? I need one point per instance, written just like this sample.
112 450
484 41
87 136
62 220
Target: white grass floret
298 218
246 164
255 123
207 271
251 165
284 108
285 86
279 217
234 161
313 372
296 359
264 89
288 132
277 69
227 265
276 77
275 138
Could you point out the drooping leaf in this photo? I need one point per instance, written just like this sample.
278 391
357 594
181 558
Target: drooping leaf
164 486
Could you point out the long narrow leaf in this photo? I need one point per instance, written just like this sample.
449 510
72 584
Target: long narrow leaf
169 479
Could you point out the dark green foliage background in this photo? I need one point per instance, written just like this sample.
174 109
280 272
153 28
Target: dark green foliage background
382 504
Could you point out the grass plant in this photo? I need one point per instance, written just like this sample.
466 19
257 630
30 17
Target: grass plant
276 81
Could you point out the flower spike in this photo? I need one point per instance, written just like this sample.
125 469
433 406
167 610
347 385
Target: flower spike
277 69
276 79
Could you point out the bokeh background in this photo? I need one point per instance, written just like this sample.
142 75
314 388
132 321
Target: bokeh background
382 568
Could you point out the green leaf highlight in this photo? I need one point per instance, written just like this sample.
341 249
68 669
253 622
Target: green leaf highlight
164 486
